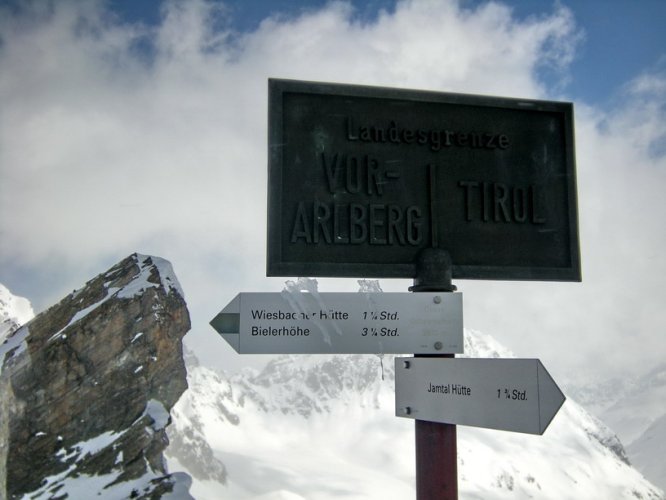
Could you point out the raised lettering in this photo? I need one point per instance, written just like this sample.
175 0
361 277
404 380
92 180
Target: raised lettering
353 175
321 216
435 138
350 133
372 166
394 220
357 223
468 185
499 202
486 201
376 223
501 195
519 204
331 170
414 225
393 133
301 227
535 195
338 237
448 134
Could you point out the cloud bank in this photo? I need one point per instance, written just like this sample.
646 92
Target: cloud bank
118 137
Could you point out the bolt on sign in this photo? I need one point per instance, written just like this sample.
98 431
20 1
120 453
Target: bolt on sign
360 179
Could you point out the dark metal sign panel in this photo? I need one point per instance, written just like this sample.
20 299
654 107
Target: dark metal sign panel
360 179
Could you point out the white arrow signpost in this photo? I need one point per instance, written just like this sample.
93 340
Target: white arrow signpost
505 394
342 323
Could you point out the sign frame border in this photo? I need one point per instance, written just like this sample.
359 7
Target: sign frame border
277 266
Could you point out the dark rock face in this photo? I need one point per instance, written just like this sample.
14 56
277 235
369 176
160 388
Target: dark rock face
86 387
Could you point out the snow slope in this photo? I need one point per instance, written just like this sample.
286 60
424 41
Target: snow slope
647 452
639 418
639 406
635 408
323 427
14 312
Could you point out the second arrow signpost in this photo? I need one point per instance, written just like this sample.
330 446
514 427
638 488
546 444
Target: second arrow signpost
505 394
342 323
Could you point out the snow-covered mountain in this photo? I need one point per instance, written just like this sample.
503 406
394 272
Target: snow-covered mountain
635 408
14 312
639 406
647 452
323 427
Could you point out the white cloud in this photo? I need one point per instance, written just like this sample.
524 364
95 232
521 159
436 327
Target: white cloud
100 135
106 149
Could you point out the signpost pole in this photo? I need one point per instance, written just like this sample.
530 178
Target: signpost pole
436 443
436 460
336 194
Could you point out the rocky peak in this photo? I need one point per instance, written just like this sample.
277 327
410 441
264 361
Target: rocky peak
87 387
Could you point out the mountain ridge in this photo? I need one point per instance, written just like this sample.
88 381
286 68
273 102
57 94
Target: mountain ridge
332 418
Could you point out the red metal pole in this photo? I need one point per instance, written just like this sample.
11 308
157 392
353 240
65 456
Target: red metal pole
436 443
436 460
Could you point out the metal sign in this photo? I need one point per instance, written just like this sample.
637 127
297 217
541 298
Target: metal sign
506 394
360 323
363 178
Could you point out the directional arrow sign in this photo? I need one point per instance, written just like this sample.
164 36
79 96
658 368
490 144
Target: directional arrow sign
328 323
506 394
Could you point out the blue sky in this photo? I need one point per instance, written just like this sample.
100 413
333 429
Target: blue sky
620 37
139 126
